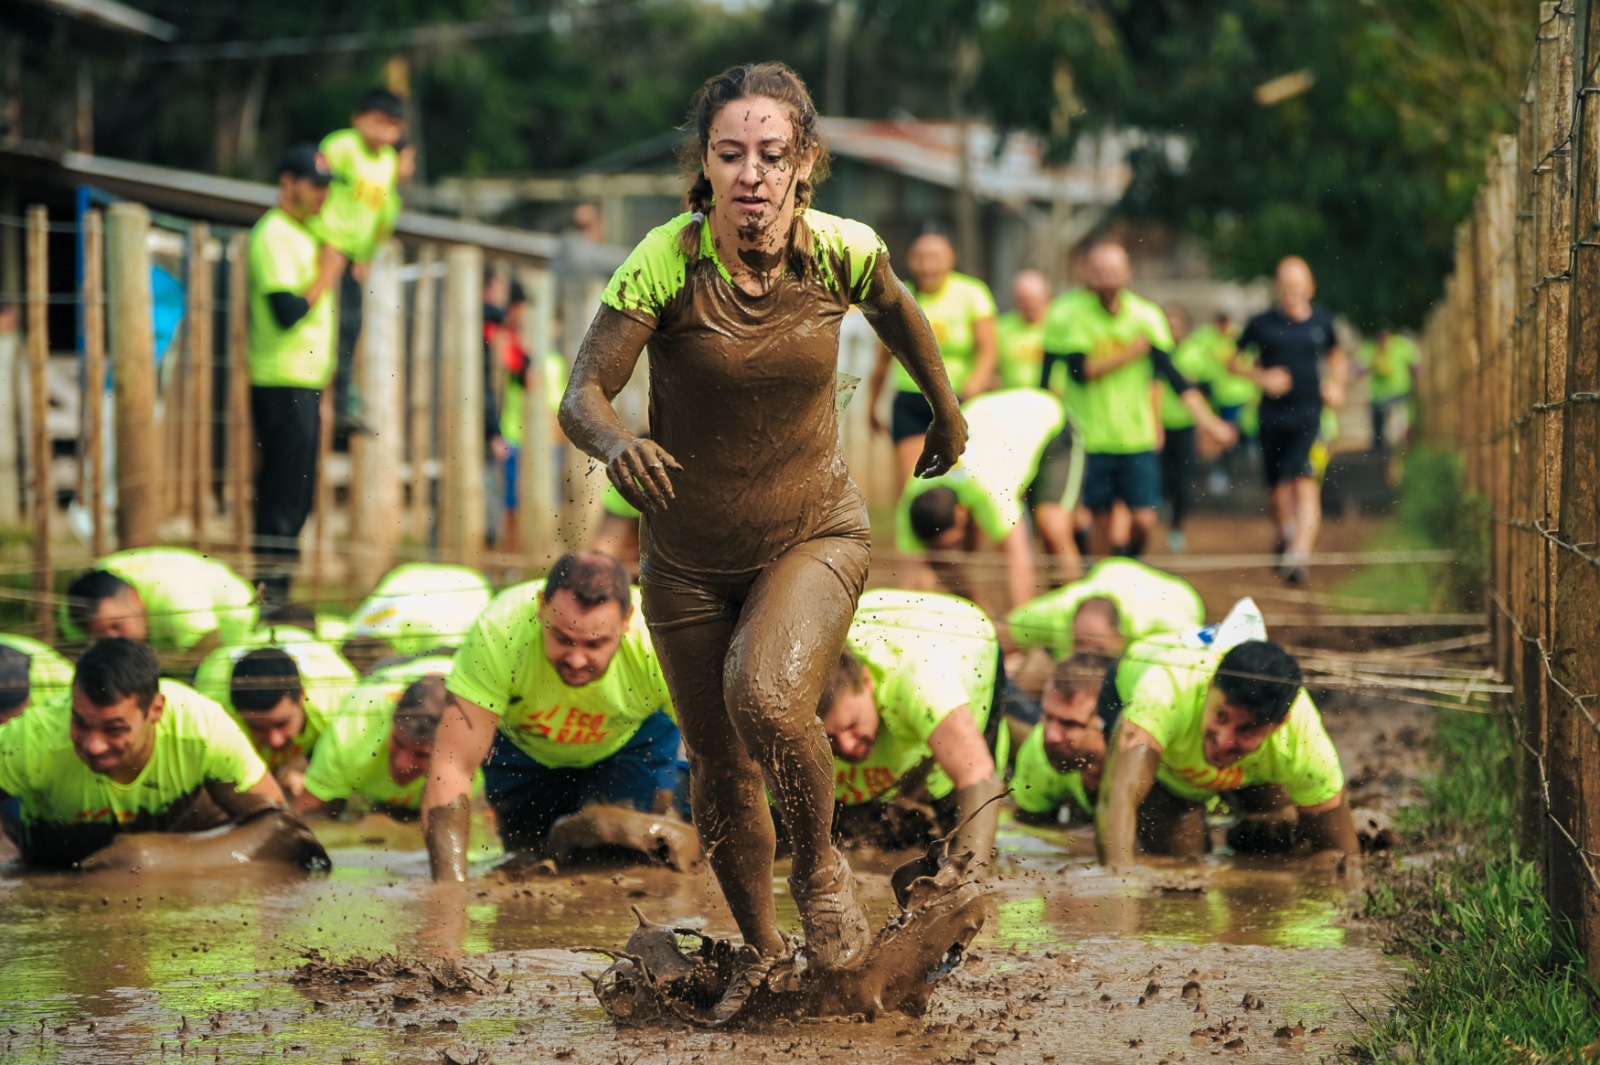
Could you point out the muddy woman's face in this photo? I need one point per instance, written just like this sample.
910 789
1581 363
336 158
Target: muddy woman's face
754 167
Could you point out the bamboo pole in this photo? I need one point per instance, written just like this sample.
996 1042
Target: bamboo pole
241 447
134 374
94 368
461 501
536 488
424 396
376 512
202 366
40 496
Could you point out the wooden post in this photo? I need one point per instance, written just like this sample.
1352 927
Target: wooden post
461 476
241 440
41 497
376 513
138 448
585 478
197 414
424 396
94 371
1574 764
536 489
321 519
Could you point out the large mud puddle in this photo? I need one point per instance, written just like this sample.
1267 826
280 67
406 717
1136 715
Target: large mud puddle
1073 965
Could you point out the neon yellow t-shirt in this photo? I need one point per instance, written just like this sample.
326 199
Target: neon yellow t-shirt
1148 600
1039 787
422 606
364 199
1021 345
1227 389
325 675
1390 365
1193 360
555 383
1115 410
927 654
69 811
283 257
187 596
1006 432
502 667
1166 697
951 312
49 674
352 758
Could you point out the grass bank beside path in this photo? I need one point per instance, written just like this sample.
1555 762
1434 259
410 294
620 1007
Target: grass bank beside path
1486 982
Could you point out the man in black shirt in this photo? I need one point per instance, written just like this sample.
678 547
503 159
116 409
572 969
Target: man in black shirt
1290 341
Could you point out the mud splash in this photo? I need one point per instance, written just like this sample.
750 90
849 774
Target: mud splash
716 985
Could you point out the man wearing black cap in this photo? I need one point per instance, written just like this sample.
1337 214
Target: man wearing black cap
291 358
362 207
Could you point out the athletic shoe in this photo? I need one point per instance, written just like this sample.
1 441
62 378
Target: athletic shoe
835 928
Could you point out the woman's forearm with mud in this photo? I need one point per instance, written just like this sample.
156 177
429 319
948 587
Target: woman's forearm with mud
894 315
1130 776
605 361
1329 830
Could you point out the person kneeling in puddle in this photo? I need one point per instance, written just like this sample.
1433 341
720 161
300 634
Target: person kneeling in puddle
559 697
1198 727
1061 763
126 753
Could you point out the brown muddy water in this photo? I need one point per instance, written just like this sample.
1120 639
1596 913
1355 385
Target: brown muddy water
1213 961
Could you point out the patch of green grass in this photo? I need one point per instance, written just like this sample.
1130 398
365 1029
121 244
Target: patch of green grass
1435 511
1486 982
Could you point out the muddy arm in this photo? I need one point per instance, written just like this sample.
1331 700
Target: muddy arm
894 315
459 748
239 805
606 360
1328 830
1131 773
958 747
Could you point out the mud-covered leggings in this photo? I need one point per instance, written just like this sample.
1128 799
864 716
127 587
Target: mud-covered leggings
746 662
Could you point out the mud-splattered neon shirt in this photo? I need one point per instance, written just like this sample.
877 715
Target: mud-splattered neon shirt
352 758
502 667
364 199
1006 433
1390 364
928 654
69 811
1193 360
1039 787
187 596
1115 410
1021 345
49 674
324 673
951 312
1166 696
422 606
1148 600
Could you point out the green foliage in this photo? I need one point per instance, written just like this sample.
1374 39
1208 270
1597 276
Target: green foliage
1486 984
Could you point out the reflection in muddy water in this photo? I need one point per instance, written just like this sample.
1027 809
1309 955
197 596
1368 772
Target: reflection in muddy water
128 968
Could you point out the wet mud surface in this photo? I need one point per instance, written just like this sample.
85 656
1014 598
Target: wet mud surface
1181 963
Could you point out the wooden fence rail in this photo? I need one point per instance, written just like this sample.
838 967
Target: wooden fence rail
1511 379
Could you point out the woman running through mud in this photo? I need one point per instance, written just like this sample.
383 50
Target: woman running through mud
754 543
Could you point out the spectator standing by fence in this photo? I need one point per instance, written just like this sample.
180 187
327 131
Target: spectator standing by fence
360 214
290 359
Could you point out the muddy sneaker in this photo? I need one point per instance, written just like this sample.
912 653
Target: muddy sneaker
836 929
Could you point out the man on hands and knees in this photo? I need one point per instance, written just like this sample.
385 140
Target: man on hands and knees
1060 765
560 698
30 672
1197 728
1135 600
172 598
380 744
906 708
128 752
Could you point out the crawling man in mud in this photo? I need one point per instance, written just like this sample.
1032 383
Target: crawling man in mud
128 770
1198 727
